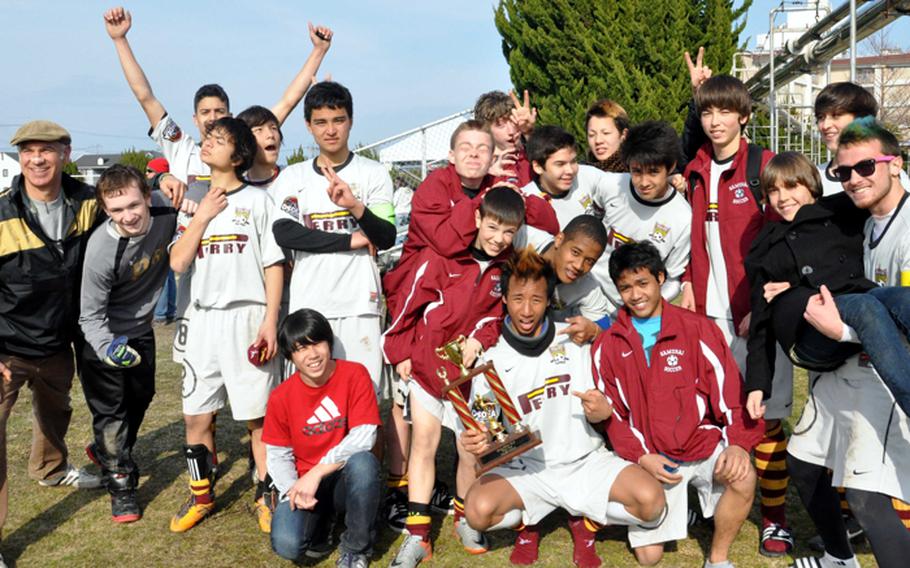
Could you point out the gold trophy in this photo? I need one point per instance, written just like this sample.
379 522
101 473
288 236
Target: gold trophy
510 439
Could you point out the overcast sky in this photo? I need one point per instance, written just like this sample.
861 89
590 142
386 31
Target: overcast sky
406 63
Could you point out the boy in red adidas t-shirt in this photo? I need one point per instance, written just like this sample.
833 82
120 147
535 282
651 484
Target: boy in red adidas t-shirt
319 428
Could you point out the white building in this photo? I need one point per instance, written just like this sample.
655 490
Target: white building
9 168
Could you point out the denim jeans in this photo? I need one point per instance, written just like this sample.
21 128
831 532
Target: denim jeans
167 302
881 318
353 490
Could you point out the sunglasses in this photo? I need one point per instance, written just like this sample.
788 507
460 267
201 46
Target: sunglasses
864 168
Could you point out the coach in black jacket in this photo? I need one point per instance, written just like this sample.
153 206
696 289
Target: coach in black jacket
45 221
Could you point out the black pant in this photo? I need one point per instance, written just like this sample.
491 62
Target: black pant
118 399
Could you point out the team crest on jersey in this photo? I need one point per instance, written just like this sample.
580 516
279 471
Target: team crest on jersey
881 276
740 195
659 233
172 132
558 354
242 216
672 360
140 266
290 206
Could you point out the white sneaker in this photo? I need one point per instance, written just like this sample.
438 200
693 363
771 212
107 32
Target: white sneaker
73 477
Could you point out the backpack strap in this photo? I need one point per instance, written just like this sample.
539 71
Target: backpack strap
753 172
122 243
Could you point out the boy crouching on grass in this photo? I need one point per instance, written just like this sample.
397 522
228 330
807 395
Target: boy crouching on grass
678 407
319 428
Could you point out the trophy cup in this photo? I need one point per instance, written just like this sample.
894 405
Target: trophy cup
510 439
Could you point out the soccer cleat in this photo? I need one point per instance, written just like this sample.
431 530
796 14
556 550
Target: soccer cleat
349 560
263 516
125 506
396 507
441 500
527 547
474 542
413 551
190 514
73 477
776 540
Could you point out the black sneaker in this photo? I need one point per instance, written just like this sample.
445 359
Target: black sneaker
441 500
125 506
396 508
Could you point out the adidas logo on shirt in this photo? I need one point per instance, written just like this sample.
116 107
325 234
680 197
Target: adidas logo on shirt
325 418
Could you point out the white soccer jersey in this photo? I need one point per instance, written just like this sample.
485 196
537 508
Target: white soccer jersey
666 223
590 190
887 260
584 297
541 390
180 150
337 284
236 247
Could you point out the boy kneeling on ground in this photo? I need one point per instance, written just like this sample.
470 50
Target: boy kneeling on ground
319 428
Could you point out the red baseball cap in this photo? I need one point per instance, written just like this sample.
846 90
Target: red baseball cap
159 165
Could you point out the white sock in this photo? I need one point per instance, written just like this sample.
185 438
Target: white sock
722 564
509 521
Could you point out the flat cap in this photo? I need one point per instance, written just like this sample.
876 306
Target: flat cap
40 131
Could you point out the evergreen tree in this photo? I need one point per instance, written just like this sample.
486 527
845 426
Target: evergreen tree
570 53
297 155
139 159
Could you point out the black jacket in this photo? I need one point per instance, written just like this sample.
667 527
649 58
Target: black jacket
39 284
822 245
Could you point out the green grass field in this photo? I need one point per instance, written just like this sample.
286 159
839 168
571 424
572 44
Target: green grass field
63 527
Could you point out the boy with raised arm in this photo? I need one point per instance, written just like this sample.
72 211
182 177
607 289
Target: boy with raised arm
210 102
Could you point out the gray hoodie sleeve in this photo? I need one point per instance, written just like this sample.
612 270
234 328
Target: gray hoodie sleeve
279 461
97 281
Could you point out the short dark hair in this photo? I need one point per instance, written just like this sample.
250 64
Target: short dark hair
791 169
527 264
845 97
605 108
492 106
866 129
546 141
586 226
116 178
211 90
243 139
634 256
328 94
301 328
503 204
651 143
260 116
469 125
724 92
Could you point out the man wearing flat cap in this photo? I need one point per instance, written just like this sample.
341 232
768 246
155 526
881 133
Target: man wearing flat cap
45 219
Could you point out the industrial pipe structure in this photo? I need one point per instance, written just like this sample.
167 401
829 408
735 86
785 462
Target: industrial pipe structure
824 41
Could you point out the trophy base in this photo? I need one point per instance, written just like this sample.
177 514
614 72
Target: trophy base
515 444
